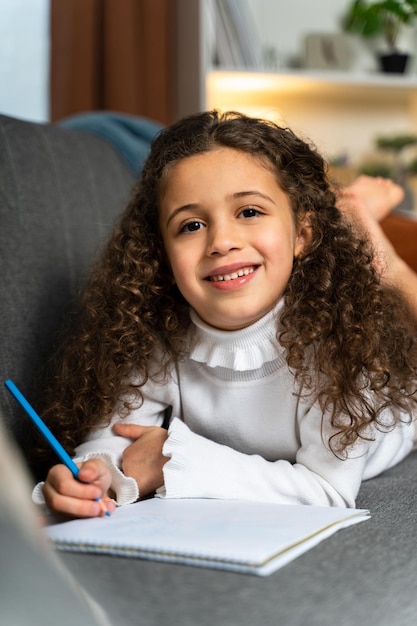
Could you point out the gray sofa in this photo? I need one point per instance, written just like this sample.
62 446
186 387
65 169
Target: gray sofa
60 190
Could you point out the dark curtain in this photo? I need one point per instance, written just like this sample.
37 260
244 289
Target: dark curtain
112 55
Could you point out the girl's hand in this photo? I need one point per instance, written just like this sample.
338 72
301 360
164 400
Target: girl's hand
64 494
143 459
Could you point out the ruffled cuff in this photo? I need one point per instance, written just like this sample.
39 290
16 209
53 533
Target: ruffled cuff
125 487
189 454
174 449
37 494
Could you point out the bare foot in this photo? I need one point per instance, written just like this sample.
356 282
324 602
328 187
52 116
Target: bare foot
365 203
379 196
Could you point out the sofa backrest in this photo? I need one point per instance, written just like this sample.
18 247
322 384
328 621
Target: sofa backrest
60 192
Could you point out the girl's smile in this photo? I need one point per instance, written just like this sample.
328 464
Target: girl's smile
229 235
231 276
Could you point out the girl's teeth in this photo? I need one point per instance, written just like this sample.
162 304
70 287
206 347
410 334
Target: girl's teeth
234 275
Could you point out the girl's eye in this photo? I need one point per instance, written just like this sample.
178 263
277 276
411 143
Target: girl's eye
191 227
249 212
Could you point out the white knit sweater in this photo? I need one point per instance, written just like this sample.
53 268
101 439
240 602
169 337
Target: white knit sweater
239 430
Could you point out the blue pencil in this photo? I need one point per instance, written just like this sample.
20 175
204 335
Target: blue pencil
50 438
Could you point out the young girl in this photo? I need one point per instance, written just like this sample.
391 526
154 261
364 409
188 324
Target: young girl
236 306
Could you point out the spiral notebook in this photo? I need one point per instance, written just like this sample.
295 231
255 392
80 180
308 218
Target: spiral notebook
248 537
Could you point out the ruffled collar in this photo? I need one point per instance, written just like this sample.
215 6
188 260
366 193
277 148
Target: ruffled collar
241 350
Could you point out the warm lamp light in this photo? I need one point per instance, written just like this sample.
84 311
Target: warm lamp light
249 93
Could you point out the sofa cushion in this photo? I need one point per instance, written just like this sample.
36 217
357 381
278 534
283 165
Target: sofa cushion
60 191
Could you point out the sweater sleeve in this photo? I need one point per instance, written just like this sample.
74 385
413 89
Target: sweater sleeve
103 444
200 468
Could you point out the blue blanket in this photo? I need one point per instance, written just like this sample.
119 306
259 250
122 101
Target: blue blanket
130 135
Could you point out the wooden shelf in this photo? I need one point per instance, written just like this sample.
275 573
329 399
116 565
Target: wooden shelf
372 79
334 84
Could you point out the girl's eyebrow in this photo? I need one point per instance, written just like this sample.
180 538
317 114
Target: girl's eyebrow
192 206
243 194
186 207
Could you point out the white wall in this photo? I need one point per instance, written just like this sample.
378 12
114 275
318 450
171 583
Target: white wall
24 52
283 24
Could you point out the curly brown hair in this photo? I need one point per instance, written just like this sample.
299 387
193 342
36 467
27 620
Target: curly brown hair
348 339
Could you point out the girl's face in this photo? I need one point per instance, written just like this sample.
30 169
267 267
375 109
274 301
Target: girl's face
229 235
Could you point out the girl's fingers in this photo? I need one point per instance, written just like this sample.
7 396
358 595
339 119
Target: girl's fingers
61 480
79 497
73 506
131 431
94 471
75 502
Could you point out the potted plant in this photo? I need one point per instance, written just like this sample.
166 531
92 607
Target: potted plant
396 145
385 18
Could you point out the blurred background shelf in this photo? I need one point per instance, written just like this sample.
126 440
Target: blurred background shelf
341 111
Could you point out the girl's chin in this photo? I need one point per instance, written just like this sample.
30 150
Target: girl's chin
233 322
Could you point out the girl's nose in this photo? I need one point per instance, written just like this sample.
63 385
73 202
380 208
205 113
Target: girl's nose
223 238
